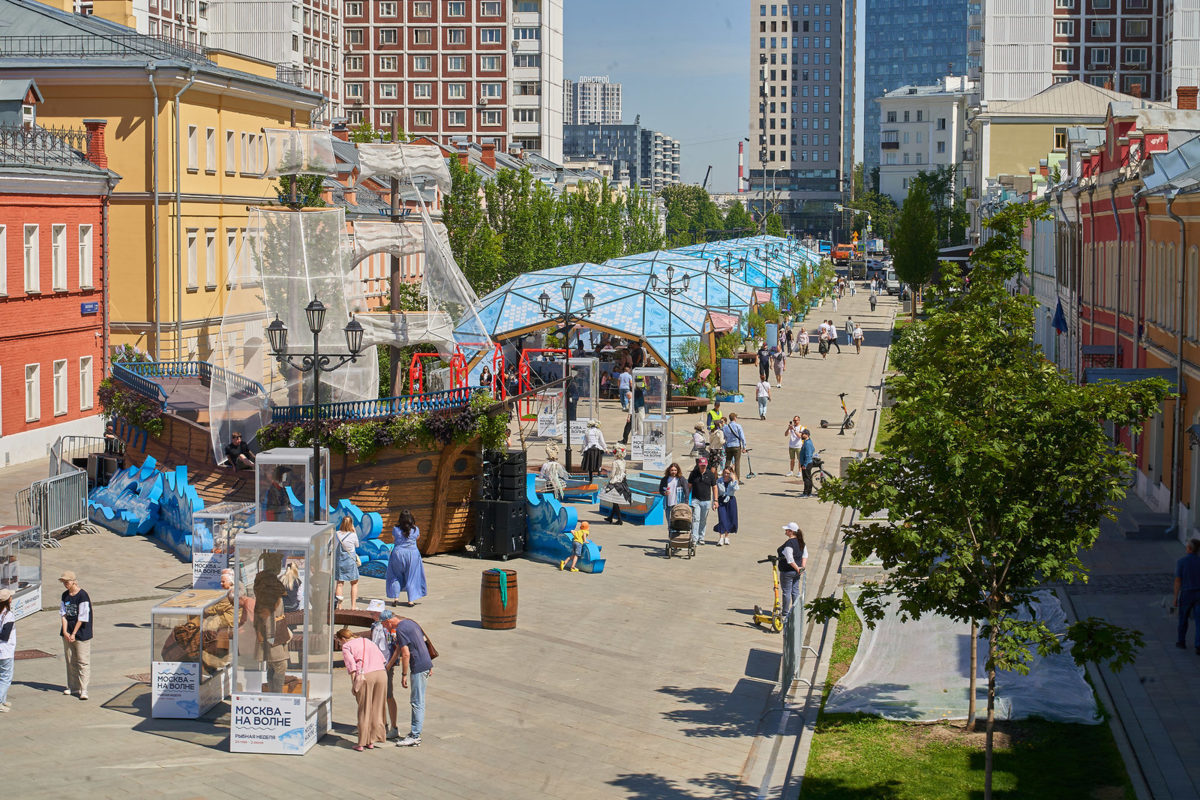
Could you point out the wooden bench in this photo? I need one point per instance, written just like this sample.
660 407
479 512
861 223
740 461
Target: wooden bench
646 507
693 405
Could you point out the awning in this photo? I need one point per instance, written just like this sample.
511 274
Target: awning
762 296
1129 375
722 323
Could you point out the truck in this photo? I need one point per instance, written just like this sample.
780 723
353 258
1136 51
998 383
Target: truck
875 246
842 254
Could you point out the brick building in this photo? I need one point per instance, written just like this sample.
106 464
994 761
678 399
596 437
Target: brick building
53 277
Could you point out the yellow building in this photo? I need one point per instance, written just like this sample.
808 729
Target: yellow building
185 130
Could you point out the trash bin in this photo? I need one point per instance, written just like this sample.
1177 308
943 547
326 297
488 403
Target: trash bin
498 599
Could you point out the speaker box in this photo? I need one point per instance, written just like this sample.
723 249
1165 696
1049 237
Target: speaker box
500 529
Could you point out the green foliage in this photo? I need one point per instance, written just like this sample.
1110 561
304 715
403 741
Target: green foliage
366 133
692 216
475 245
308 191
774 225
914 244
950 216
118 401
738 221
998 469
127 353
758 319
884 215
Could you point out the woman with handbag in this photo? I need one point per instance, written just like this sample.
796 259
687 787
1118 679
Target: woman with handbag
368 680
616 491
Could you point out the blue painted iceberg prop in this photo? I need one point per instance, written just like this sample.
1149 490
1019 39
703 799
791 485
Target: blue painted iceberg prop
549 527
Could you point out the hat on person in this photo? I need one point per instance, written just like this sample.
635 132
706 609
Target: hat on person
5 595
702 461
583 526
619 448
699 426
385 615
552 451
793 527
67 576
593 423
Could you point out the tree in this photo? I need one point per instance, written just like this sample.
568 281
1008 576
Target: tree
366 133
949 210
475 246
738 221
692 216
774 226
997 474
307 191
914 244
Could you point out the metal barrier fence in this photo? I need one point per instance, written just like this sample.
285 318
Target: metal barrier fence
68 448
793 644
54 505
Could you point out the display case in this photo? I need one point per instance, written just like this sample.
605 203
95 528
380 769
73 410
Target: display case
656 443
653 381
583 392
191 636
283 483
21 567
283 653
213 532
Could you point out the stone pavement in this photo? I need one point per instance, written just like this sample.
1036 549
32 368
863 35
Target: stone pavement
1157 699
646 681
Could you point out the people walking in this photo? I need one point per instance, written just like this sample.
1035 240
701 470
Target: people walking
75 616
716 446
699 440
673 487
857 337
1187 593
735 443
872 301
802 341
794 429
617 488
793 559
8 647
368 680
764 362
625 387
594 448
405 569
833 333
702 484
823 340
762 392
807 452
714 416
416 668
345 564
779 364
727 510
790 337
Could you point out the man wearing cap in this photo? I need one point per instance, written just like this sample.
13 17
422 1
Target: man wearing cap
735 443
702 482
806 455
75 613
416 666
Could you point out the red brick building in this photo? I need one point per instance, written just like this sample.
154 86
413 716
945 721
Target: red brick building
54 188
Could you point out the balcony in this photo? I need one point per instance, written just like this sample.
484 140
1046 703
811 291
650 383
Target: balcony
889 145
974 49
973 73
974 21
286 73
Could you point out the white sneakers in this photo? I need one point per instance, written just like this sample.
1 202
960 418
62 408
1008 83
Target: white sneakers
790 474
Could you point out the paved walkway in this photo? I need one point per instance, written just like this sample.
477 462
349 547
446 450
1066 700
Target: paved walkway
647 681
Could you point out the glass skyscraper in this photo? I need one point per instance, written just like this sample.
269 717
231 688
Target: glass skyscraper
908 43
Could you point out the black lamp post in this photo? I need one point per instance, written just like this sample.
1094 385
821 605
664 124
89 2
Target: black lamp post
728 268
669 290
315 362
589 300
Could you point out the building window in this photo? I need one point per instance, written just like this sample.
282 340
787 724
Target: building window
354 36
527 34
1064 4
193 149
528 6
941 147
422 36
1137 5
1060 139
192 259
354 63
1136 28
422 91
456 91
58 258
423 118
230 153
489 8
387 36
490 64
1101 5
920 117
456 8
85 257
527 114
1135 57
210 258
941 123
1100 57
456 118
387 9
891 116
230 255
1064 55
353 8
388 63
60 387
490 36
493 118
33 392
492 90
527 88
1101 28
385 118
87 389
354 90
456 63
387 91
527 60
354 116
422 63
456 36
422 9
1064 27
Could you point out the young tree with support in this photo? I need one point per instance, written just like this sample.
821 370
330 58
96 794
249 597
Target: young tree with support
914 243
997 473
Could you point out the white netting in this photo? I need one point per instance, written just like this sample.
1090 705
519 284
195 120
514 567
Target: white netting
396 238
287 258
405 162
919 670
292 151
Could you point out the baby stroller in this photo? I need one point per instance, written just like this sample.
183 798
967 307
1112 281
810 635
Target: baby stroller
679 530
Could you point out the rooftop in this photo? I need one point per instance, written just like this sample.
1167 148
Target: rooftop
1073 99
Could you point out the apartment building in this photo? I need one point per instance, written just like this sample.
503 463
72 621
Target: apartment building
299 37
907 44
472 70
591 99
921 128
1147 48
802 109
647 158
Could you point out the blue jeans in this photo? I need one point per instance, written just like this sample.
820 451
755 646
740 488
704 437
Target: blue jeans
6 673
762 406
1188 609
699 519
416 693
789 587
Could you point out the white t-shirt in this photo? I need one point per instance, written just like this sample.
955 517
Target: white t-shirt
858 332
794 440
347 540
8 649
764 389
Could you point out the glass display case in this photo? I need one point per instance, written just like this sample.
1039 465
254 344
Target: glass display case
656 443
283 483
190 640
653 381
213 532
583 392
283 653
21 567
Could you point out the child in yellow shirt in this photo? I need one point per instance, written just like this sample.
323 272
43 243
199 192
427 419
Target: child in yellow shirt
578 537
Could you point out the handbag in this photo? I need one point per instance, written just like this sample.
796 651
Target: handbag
433 653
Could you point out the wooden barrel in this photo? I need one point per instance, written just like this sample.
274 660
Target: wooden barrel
494 613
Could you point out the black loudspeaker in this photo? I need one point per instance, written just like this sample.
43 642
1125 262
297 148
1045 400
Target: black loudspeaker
500 528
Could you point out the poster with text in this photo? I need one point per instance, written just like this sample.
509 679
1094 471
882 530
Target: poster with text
28 603
206 569
268 723
175 690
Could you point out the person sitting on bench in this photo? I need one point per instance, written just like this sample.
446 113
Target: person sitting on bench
238 453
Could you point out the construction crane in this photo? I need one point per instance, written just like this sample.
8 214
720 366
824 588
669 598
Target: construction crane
706 174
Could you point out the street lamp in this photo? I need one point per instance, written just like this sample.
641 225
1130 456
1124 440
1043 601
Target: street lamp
669 290
589 300
728 268
315 362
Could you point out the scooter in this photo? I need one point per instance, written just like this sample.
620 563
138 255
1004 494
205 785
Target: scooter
847 419
773 619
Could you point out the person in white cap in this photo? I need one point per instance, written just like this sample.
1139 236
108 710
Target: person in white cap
75 613
793 558
8 647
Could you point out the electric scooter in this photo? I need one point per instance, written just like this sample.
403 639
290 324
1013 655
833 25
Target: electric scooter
847 419
773 619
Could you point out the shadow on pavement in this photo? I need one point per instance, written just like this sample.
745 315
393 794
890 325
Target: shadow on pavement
647 786
717 713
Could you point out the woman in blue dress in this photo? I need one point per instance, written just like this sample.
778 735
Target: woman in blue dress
727 511
405 570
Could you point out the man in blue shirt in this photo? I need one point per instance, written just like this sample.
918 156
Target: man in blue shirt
1187 593
807 453
624 387
415 668
735 443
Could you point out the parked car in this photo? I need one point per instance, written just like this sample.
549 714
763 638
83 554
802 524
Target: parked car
891 283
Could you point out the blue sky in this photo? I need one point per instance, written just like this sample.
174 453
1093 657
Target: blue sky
683 67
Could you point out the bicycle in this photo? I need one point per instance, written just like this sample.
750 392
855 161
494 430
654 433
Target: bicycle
818 471
847 417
